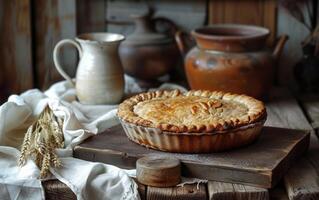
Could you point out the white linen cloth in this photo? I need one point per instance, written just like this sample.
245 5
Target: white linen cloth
88 180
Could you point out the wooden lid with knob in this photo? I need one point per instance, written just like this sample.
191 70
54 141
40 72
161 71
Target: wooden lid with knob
158 171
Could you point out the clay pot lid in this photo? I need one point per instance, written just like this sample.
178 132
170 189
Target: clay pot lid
238 37
144 33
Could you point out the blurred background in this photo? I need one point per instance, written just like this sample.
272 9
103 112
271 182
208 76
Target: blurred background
29 30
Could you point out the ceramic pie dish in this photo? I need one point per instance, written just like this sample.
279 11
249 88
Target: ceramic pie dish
192 122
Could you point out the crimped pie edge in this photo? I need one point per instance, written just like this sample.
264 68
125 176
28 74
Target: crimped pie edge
256 111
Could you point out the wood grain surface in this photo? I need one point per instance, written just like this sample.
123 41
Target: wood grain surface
56 190
260 13
187 192
158 171
283 111
261 164
224 191
187 14
16 47
301 181
142 190
310 104
90 16
54 20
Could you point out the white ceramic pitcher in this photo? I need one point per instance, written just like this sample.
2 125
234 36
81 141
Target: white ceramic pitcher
99 77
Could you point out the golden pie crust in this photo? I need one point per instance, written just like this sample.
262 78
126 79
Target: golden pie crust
191 112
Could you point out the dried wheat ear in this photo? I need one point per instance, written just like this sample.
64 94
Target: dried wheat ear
40 141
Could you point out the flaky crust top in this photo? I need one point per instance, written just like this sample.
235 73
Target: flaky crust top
192 111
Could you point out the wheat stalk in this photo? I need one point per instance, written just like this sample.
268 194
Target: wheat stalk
40 141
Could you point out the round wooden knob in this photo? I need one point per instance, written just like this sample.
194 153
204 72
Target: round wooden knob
158 171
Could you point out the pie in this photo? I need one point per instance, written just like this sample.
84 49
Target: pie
191 113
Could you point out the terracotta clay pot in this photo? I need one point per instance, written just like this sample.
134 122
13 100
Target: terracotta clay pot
147 54
231 58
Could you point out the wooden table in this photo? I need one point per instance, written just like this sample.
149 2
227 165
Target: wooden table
300 182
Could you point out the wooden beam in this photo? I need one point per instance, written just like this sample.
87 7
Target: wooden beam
224 191
90 16
53 20
186 192
187 14
142 190
270 19
54 189
310 104
16 47
284 112
260 13
301 181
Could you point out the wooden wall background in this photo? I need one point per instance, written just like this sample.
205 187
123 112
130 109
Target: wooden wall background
29 29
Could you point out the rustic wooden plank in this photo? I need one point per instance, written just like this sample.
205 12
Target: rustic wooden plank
186 192
220 190
56 190
244 12
187 15
90 16
301 181
270 19
142 190
224 191
261 13
259 164
216 12
310 104
283 111
15 51
53 20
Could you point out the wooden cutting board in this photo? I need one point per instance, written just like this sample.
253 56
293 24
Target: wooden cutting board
260 164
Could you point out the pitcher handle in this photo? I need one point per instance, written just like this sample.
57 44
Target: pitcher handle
56 60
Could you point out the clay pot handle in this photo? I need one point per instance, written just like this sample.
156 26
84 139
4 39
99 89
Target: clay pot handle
172 26
279 46
180 38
